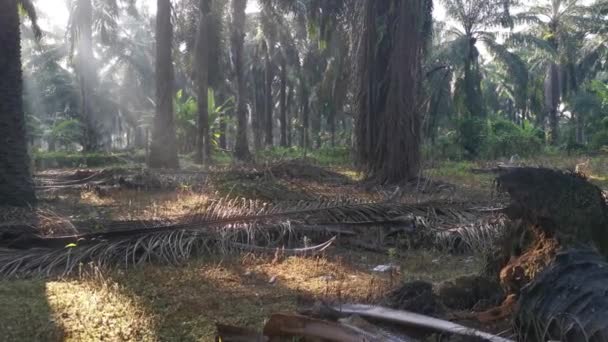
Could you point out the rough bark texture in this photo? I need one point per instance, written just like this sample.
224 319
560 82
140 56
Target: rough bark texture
241 149
268 102
552 98
290 96
163 149
567 301
16 187
283 103
203 140
388 124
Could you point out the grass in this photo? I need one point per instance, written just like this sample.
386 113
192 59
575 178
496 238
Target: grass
63 159
183 303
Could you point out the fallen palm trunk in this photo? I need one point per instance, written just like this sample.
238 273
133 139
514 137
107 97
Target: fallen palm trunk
559 272
415 320
567 301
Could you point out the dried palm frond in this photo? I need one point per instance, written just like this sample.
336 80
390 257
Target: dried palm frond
225 226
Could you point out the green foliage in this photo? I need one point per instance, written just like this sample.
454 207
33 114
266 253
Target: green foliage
186 117
67 132
63 159
504 138
471 135
325 156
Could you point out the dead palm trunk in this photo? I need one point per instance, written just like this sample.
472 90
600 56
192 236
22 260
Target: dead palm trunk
283 102
552 98
241 149
163 149
203 142
16 187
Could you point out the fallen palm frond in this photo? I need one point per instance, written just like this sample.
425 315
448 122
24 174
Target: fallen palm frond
415 320
224 226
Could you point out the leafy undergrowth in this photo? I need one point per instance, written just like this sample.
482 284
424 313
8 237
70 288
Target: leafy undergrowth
183 303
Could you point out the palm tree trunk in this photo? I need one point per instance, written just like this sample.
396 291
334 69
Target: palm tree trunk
389 149
268 102
86 74
203 141
258 108
283 103
241 149
552 98
290 95
16 187
163 149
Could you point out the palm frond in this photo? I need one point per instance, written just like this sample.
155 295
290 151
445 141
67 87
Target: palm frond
527 40
226 226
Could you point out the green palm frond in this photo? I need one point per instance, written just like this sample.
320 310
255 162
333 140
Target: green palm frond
531 41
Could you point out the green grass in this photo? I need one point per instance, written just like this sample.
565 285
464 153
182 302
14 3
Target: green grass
338 156
62 159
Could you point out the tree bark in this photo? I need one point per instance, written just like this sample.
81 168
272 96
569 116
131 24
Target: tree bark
203 141
16 187
552 98
283 103
163 149
85 66
388 125
288 118
268 102
241 150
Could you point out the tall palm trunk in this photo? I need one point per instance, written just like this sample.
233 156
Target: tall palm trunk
258 108
290 95
16 187
203 141
472 81
268 102
85 66
283 102
241 149
552 98
163 149
388 125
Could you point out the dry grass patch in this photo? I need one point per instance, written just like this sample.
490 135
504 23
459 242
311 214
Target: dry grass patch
98 310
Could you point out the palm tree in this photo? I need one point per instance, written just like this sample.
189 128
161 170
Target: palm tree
472 18
556 30
241 148
201 67
16 187
388 125
81 37
86 18
163 149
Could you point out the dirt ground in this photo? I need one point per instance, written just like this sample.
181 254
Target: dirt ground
183 302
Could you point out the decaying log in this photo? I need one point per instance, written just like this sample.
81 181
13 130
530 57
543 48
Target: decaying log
567 301
560 272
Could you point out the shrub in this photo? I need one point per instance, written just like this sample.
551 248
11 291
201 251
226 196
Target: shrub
504 138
